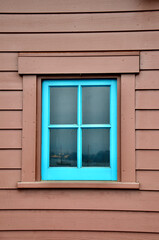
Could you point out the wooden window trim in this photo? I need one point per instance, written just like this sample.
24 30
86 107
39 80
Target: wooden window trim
32 65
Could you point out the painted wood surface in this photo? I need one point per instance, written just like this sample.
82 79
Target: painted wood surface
88 199
76 235
149 60
29 128
79 220
11 100
11 120
81 26
149 180
52 65
18 6
147 99
10 159
127 127
10 139
10 81
148 79
147 119
122 41
79 22
77 185
8 61
9 178
147 159
147 139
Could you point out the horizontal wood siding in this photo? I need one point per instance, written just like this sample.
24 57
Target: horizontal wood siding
88 199
9 178
149 180
10 159
147 159
10 139
31 6
80 26
147 99
10 119
116 41
8 61
10 80
10 100
76 235
79 22
148 79
147 139
147 119
79 220
149 60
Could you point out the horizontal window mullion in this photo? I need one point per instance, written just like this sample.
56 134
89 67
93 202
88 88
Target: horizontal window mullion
95 126
62 126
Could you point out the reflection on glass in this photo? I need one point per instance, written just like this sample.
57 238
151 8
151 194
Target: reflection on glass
95 147
96 105
63 105
63 148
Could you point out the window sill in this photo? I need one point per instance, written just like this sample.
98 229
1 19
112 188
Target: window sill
79 184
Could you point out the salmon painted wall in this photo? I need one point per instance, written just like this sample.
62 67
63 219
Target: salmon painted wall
79 25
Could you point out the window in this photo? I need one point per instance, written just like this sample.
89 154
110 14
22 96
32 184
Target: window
41 67
79 129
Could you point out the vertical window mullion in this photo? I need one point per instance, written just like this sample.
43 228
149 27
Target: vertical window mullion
79 131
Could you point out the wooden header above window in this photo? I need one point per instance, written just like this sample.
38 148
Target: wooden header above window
77 63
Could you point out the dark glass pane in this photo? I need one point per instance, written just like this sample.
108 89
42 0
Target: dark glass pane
63 148
95 147
63 105
96 105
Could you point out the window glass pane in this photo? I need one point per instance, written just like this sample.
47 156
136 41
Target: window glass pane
96 105
95 147
63 148
63 105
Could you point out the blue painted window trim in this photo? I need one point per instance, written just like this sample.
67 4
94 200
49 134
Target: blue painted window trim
79 172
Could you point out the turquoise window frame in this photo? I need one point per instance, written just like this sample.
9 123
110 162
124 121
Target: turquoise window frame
79 172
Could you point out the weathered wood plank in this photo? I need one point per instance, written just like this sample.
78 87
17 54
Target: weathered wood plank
149 180
80 41
9 61
104 64
38 6
147 99
147 139
147 159
10 81
10 119
10 100
147 119
79 220
79 22
76 235
10 159
9 178
147 80
80 199
10 139
149 60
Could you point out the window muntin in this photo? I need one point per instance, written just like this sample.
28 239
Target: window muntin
91 126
